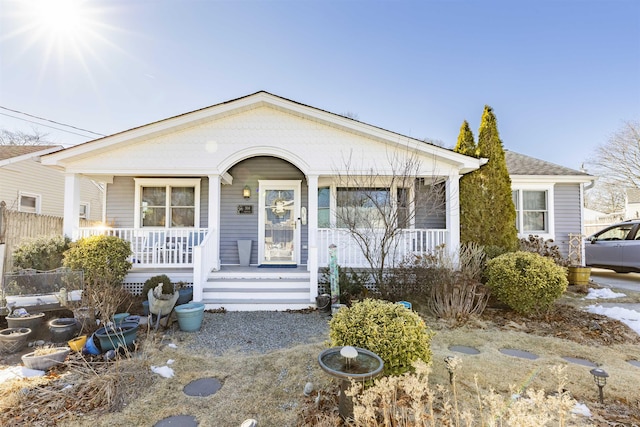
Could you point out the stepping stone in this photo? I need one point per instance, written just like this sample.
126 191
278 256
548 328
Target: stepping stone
578 361
635 363
202 387
464 349
518 353
177 421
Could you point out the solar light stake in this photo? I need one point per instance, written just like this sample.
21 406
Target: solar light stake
600 377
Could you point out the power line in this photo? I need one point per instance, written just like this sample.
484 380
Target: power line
47 126
47 120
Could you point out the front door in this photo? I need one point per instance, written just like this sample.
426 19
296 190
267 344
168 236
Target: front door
279 230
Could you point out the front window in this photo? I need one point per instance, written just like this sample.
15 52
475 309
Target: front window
532 211
362 207
172 204
324 207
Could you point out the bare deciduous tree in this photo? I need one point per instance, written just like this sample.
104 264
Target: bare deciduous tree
8 137
374 207
618 160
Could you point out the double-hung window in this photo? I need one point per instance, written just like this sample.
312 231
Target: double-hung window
532 211
167 203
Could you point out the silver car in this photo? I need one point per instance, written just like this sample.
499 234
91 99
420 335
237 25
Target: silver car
617 247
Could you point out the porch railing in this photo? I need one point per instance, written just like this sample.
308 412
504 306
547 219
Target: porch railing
171 247
410 241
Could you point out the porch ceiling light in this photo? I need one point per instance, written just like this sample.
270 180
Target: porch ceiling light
246 192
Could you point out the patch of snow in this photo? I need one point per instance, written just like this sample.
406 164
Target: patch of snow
163 371
604 293
631 318
170 362
581 409
19 372
172 345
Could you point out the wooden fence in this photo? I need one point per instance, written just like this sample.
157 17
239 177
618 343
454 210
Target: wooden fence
16 227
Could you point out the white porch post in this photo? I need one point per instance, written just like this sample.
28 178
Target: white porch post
453 213
312 221
214 217
71 220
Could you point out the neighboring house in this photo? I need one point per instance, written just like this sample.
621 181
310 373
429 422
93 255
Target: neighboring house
549 198
28 186
632 209
190 191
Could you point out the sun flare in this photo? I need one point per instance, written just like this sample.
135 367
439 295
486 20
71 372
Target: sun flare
60 18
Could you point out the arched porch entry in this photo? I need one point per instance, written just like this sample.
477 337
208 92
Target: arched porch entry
265 204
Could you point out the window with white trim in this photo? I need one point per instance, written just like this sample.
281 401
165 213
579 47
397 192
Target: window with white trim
167 203
532 211
324 207
29 202
84 210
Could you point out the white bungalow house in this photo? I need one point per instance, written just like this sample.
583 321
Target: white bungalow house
260 168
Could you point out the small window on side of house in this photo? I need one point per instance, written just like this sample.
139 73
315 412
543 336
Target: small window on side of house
84 211
29 203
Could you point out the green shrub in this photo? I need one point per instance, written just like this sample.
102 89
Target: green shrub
398 335
527 282
42 253
152 282
102 258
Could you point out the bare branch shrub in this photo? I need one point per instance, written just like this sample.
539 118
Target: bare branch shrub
376 203
546 248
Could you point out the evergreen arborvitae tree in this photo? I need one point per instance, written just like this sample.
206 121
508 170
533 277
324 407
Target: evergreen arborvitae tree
470 196
497 209
466 144
487 214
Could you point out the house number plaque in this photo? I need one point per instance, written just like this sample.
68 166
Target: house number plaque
245 209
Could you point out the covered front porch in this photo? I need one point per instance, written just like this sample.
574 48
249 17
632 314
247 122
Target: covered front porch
191 255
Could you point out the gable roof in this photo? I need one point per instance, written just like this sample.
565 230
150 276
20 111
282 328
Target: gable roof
249 102
15 153
520 164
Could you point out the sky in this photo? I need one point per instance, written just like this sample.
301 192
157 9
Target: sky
561 75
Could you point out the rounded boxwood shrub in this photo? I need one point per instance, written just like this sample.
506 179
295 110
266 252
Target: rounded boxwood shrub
398 335
152 282
102 258
527 282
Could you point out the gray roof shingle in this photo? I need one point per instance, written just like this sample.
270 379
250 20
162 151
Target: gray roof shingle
519 164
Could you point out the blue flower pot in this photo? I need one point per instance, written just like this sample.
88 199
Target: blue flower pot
118 318
190 316
185 295
145 308
122 335
90 346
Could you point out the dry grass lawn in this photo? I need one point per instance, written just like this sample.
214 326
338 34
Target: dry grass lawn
269 387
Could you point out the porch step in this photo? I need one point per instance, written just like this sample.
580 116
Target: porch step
258 290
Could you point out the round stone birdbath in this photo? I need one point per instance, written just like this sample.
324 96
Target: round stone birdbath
347 363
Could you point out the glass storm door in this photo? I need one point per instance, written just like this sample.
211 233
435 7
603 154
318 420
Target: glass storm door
279 238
